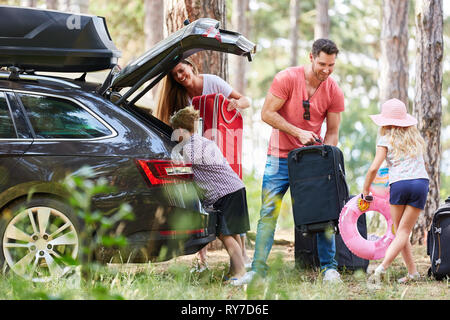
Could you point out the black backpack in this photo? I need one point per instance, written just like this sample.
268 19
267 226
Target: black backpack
438 242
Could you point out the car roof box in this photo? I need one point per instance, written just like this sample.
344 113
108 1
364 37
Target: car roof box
48 40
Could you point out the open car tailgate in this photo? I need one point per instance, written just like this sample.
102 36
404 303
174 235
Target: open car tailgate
202 34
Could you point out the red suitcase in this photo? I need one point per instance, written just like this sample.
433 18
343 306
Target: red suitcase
222 126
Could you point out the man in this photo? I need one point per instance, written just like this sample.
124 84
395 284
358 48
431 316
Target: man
299 100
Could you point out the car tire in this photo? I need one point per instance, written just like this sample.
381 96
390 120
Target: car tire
40 238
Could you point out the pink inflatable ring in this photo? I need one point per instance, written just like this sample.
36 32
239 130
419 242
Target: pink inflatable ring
370 250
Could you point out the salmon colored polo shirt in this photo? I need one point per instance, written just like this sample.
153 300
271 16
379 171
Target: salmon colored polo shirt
290 85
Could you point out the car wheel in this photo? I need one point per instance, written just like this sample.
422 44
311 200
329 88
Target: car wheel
39 238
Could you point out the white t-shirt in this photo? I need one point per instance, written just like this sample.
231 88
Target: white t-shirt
404 168
214 84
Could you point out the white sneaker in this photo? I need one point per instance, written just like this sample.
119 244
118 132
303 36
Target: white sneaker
409 278
332 276
245 279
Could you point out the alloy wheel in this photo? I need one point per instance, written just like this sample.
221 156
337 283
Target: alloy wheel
38 243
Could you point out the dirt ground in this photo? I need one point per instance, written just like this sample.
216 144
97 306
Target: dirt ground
283 244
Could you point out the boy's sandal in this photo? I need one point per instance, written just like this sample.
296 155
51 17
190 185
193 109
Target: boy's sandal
409 278
200 267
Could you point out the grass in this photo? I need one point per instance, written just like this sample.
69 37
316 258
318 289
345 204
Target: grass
173 280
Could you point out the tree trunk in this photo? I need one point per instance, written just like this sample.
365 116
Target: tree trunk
294 19
67 5
31 3
238 64
177 11
52 4
84 6
427 101
322 26
153 28
154 22
393 80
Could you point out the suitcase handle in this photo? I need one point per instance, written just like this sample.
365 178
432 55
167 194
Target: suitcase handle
298 156
221 110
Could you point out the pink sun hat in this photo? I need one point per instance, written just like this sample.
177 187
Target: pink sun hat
393 113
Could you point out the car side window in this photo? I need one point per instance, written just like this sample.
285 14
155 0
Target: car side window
6 124
58 118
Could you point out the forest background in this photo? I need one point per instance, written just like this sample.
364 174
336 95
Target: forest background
355 26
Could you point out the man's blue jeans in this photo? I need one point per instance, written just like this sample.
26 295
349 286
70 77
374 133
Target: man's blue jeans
274 186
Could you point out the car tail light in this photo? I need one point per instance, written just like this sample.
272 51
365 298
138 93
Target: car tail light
160 172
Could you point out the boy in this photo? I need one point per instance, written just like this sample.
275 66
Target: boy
222 189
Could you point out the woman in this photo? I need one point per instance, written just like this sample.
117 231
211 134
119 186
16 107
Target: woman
184 82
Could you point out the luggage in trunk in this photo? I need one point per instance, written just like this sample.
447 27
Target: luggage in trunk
318 187
222 126
48 40
438 242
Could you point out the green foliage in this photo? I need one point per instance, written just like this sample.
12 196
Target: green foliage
173 281
125 21
97 225
445 186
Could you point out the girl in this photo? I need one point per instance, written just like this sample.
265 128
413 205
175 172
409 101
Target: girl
402 146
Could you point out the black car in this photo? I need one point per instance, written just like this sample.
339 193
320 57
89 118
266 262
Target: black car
51 127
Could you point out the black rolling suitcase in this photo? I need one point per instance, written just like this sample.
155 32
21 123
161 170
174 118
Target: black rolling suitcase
305 251
318 187
438 242
306 257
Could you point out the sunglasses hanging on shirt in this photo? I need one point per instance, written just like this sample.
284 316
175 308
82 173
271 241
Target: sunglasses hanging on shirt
306 114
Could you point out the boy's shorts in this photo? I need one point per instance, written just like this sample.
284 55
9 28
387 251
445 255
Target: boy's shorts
409 192
232 215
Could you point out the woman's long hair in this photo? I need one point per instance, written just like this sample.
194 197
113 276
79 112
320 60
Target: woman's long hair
405 141
172 96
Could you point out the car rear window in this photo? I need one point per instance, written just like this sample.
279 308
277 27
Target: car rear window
58 118
6 125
